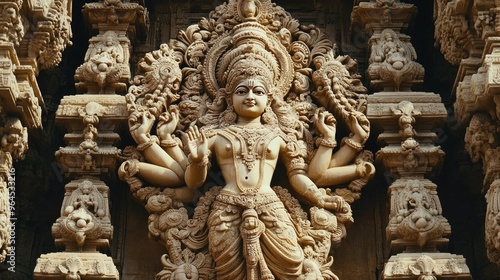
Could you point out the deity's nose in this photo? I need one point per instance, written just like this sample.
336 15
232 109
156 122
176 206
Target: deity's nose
250 95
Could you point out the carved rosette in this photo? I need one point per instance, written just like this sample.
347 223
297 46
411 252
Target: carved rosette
416 216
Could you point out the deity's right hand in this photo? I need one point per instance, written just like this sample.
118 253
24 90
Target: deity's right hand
197 144
140 124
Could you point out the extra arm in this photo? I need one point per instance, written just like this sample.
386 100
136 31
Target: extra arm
198 162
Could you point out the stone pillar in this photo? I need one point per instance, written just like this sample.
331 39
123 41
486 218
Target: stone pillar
477 105
417 230
32 37
93 120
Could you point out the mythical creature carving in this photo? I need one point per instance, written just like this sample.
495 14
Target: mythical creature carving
416 213
392 62
479 136
251 93
105 62
85 219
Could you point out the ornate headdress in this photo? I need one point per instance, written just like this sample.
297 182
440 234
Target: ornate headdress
249 51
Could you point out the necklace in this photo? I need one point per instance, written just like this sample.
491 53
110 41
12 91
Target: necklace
250 137
253 142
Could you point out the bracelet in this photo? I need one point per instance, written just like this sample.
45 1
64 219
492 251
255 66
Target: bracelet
203 163
144 146
327 143
169 143
353 144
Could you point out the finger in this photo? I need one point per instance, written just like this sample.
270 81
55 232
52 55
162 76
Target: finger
175 115
196 132
202 136
191 133
322 117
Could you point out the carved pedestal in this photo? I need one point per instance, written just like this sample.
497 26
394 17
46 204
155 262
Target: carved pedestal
424 266
80 265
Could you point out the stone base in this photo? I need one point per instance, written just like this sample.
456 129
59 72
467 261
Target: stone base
426 266
66 265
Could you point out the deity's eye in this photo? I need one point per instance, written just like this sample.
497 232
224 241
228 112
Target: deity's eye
259 91
240 91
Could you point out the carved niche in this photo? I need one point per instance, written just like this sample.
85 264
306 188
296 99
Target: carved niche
244 87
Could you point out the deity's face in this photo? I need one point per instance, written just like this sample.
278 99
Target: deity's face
250 98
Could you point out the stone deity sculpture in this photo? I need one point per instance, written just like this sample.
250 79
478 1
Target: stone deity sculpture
233 107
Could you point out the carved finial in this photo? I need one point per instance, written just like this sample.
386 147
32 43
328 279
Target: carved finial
249 9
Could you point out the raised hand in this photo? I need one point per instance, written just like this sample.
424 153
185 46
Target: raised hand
168 123
359 126
326 124
197 144
140 124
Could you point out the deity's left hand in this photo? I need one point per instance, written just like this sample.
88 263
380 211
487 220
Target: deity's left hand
168 123
360 127
325 124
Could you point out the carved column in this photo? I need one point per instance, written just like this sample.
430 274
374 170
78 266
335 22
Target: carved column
90 158
32 37
417 229
477 104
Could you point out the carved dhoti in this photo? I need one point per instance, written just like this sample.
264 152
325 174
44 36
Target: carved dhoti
252 237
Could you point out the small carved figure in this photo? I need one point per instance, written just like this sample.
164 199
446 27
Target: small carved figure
86 198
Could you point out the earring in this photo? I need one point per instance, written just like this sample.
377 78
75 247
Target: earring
228 116
268 117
